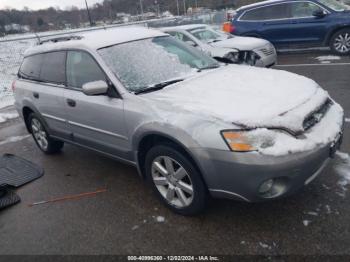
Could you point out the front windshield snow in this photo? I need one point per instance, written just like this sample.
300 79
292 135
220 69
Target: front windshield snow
146 63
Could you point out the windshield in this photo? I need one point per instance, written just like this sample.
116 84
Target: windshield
206 35
144 63
334 5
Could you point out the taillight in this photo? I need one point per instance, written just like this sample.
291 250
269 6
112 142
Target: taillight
13 86
228 27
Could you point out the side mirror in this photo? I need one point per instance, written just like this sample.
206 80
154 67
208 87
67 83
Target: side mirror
95 88
191 43
319 13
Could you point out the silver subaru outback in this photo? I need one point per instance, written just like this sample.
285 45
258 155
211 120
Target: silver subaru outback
192 127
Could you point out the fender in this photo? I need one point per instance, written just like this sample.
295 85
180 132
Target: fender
29 104
179 137
333 30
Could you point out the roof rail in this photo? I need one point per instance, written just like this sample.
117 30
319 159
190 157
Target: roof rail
59 39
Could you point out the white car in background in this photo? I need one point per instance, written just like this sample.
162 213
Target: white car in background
226 47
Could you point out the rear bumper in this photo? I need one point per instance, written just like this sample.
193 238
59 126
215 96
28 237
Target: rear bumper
240 175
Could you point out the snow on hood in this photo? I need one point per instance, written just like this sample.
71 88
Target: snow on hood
248 96
241 43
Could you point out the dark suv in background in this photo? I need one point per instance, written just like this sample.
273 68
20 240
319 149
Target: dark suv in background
297 22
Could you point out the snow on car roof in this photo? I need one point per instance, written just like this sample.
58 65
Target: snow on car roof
184 27
259 4
98 39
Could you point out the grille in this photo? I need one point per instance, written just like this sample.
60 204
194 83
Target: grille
267 52
317 115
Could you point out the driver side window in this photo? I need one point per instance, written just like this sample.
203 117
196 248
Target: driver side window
304 9
82 69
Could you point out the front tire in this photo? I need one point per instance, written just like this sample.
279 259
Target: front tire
41 137
175 180
340 42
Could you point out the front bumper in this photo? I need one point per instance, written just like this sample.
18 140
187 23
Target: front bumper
268 56
240 175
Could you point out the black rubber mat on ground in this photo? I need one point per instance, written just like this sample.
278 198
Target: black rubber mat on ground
16 171
7 197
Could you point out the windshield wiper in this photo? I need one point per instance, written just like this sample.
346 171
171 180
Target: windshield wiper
157 87
214 41
208 68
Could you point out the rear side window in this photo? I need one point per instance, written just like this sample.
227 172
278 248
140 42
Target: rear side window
82 69
272 12
31 67
53 69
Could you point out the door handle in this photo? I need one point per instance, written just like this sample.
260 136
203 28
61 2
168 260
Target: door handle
71 102
36 95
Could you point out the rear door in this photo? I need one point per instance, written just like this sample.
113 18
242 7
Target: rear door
271 22
306 27
95 121
42 79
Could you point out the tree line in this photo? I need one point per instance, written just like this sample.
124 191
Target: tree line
57 18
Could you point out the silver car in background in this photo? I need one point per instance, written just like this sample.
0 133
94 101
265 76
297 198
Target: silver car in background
192 127
225 47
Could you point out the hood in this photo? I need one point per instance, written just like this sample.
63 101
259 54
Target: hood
241 43
246 96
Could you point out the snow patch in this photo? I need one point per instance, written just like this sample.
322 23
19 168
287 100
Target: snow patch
135 227
265 246
343 156
5 101
347 120
7 116
306 222
160 219
342 168
328 58
13 139
311 213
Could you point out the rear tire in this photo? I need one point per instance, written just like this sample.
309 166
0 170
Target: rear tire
340 42
175 180
41 137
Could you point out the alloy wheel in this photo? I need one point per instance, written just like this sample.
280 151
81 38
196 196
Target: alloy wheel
172 181
342 43
39 134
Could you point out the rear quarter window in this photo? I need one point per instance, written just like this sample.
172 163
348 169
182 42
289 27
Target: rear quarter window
31 67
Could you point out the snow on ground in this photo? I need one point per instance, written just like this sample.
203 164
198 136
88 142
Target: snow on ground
312 213
13 139
306 222
342 167
11 55
160 219
7 116
347 120
328 58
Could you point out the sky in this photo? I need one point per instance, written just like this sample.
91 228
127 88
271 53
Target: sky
40 4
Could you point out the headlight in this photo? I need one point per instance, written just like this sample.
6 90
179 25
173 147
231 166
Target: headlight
249 141
232 56
252 58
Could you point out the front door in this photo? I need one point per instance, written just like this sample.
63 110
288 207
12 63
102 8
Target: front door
307 28
95 121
